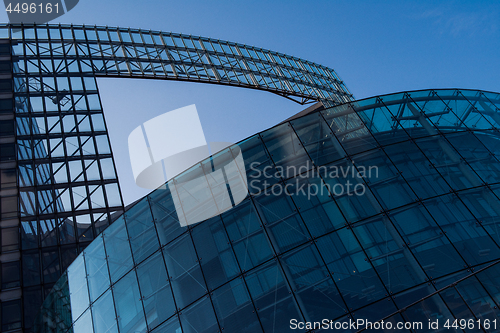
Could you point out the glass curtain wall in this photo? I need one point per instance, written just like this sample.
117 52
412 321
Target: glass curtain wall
380 209
63 171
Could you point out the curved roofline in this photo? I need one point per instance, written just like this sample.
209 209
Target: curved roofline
421 90
126 52
360 118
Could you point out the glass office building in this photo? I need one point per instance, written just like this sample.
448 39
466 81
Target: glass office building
413 238
59 188
382 209
58 181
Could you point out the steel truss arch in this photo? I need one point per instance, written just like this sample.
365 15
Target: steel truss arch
119 52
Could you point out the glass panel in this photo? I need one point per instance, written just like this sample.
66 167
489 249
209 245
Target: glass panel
165 216
193 196
286 150
117 249
68 255
417 170
184 270
314 202
259 167
480 159
268 286
484 204
31 269
317 138
355 277
244 228
51 267
448 162
113 195
11 276
384 179
77 281
155 290
97 268
312 284
102 144
431 309
376 311
107 169
490 279
217 258
427 242
457 306
234 308
464 232
350 191
285 227
128 305
84 323
389 255
32 300
491 141
199 318
414 294
170 326
140 226
11 315
103 314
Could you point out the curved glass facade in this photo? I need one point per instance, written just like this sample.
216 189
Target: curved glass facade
380 209
58 184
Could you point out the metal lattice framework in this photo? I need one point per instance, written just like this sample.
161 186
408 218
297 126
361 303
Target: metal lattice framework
458 110
58 149
118 52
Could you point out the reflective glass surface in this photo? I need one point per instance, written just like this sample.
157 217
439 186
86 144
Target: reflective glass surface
391 216
59 186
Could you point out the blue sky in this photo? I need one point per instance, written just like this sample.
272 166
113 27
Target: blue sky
376 47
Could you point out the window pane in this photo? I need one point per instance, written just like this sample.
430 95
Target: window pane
103 314
247 236
31 269
268 286
389 255
170 326
141 229
317 208
11 274
199 318
234 308
346 262
313 285
11 315
286 150
84 323
217 259
128 305
165 216
97 268
184 270
77 282
427 242
117 249
285 227
317 138
475 245
155 290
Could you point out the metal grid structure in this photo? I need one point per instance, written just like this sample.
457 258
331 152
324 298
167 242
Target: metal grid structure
106 51
66 186
421 243
59 183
